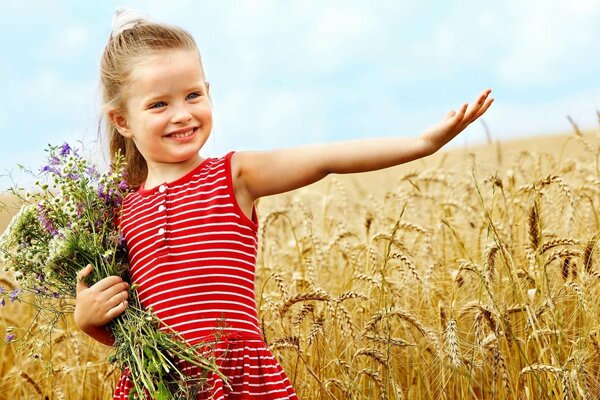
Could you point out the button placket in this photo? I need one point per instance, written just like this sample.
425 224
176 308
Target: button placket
162 210
161 226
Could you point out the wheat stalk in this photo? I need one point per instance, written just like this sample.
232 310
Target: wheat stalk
374 375
580 295
409 264
27 379
451 340
550 244
389 341
374 354
404 316
340 385
588 252
535 231
316 295
542 368
304 311
316 329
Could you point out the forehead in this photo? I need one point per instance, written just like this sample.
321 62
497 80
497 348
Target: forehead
164 68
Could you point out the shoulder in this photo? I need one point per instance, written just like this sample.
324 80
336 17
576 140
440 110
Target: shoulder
244 162
234 158
240 163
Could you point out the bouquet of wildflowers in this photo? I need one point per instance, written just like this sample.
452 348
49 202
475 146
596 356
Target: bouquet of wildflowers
68 222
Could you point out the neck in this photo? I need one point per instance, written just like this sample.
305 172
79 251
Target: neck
159 173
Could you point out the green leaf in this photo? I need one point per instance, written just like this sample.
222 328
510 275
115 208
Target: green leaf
162 393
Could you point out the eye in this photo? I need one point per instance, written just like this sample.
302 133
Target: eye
158 104
194 95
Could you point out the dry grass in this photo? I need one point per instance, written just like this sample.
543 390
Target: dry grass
460 276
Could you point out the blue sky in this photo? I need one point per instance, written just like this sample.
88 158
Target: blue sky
286 73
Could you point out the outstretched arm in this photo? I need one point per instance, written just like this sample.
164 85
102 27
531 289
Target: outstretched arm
259 174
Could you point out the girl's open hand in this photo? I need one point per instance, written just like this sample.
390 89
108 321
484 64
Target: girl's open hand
100 303
455 122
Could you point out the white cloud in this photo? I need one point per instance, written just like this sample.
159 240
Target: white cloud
53 95
339 36
550 40
263 119
68 43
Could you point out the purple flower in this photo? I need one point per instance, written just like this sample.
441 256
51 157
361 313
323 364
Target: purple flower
47 168
91 171
65 149
56 295
2 302
122 241
102 192
40 289
10 337
45 221
15 295
54 160
123 186
1 290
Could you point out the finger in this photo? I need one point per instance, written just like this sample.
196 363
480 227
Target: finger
473 109
81 285
120 289
117 310
483 103
460 115
107 282
478 103
450 114
117 299
485 107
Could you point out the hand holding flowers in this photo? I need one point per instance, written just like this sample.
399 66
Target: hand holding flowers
99 304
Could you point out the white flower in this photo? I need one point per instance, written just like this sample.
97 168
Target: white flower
58 245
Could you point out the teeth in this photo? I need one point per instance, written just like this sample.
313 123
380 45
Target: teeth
182 134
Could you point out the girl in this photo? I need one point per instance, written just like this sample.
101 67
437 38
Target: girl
191 226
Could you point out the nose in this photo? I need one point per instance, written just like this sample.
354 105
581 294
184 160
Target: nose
181 114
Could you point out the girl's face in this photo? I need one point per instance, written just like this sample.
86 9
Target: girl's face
168 111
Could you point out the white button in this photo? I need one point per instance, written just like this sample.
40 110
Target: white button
162 188
161 231
161 208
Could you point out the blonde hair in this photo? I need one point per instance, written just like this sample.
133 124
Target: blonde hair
123 51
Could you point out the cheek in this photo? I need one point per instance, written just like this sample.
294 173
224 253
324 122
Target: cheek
206 114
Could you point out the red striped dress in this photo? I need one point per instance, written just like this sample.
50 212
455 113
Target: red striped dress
193 252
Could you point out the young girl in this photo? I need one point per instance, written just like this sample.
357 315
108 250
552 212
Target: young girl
191 226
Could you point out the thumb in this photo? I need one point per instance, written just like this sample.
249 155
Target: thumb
450 114
81 285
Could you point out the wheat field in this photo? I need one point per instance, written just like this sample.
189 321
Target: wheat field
472 274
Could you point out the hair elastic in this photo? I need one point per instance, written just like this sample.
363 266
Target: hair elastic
126 18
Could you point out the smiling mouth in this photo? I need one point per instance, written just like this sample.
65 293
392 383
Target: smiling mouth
181 135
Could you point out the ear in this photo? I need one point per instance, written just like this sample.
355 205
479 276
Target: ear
120 123
207 84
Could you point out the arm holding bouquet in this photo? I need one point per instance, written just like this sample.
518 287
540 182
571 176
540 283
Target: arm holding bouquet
99 304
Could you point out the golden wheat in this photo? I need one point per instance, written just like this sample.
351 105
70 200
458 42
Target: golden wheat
465 280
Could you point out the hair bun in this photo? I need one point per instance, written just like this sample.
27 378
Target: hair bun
126 18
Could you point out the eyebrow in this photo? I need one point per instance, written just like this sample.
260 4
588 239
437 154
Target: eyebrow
195 88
